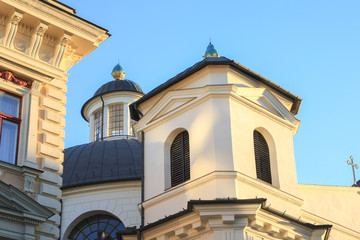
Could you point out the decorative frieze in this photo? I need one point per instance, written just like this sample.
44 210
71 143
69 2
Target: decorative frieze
9 77
23 38
47 49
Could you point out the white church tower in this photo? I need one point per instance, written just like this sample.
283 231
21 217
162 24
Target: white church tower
219 156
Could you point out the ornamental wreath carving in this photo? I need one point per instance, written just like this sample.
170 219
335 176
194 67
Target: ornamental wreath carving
9 76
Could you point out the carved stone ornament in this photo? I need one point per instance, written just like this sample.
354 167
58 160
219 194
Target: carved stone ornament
64 41
9 77
21 45
15 20
41 31
29 184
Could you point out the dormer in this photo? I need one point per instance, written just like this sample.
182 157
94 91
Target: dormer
217 130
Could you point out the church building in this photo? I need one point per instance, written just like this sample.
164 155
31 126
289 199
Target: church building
207 155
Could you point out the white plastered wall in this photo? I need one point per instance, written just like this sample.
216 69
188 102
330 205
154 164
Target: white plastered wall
120 199
333 205
220 127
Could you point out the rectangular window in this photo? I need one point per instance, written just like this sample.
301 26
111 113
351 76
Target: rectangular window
98 125
116 113
9 126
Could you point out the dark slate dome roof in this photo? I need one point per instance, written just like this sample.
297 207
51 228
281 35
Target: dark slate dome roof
103 161
118 85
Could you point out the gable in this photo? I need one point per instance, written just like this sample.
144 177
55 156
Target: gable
229 72
21 207
174 102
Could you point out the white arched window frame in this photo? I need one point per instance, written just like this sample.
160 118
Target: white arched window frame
177 158
272 157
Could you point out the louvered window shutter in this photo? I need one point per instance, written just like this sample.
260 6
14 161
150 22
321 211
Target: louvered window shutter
262 157
180 159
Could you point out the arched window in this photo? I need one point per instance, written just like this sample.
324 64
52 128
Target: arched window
180 159
97 227
262 157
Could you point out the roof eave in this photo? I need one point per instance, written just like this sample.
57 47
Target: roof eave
135 112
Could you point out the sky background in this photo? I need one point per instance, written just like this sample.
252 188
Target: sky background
310 48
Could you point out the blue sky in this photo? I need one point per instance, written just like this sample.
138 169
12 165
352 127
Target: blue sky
311 48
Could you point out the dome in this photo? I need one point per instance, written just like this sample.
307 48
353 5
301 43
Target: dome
102 161
115 86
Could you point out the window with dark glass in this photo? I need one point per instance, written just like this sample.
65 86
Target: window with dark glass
180 159
96 228
9 126
116 120
262 157
98 125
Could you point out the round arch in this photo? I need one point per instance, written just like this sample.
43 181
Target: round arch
167 147
98 224
273 156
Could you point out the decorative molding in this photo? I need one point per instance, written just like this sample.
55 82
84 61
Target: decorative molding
37 39
61 49
12 28
29 183
9 77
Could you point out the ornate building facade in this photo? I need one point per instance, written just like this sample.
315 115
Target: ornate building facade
208 154
210 157
39 41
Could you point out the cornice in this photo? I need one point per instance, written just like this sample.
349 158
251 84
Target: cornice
202 94
19 62
267 188
108 187
51 14
310 217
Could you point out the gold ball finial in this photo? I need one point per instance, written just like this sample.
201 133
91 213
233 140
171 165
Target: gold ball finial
118 72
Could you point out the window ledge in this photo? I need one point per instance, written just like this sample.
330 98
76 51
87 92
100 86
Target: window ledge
20 169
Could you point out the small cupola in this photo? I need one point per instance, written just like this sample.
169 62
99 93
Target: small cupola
108 110
211 51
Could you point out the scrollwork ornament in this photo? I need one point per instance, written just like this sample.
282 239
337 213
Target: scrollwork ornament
41 31
64 41
15 20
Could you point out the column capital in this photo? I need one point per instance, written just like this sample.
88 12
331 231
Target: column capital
16 18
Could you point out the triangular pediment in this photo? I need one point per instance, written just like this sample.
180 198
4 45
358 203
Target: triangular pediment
172 105
267 100
17 204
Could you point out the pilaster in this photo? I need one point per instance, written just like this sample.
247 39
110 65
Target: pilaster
12 28
91 128
30 159
106 121
126 119
37 39
61 49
